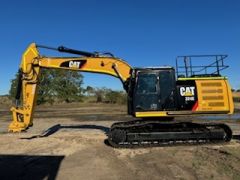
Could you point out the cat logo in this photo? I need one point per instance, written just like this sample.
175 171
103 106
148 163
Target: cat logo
74 64
187 91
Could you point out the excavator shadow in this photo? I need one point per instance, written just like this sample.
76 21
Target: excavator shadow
29 166
58 127
236 137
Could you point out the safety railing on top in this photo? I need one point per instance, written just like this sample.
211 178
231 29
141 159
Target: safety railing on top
193 66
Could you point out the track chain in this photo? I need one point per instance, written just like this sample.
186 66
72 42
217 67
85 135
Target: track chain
161 143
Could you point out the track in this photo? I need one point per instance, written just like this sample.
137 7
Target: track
144 133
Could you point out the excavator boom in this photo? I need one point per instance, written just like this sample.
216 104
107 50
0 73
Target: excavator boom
30 69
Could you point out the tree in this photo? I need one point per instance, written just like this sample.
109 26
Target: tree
107 95
45 89
67 85
56 85
100 94
89 91
13 88
114 97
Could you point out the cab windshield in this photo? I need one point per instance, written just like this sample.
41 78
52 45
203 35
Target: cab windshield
146 83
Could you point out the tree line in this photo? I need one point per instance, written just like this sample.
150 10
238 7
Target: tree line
106 95
57 85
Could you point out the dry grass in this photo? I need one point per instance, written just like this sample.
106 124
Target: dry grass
236 99
4 100
237 105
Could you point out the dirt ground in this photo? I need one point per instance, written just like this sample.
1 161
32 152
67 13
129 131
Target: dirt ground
67 142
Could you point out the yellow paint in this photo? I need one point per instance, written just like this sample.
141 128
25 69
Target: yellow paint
188 94
209 91
230 98
151 114
201 78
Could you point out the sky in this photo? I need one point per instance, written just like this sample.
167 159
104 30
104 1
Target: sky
142 32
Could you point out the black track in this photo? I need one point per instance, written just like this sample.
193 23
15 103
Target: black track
143 133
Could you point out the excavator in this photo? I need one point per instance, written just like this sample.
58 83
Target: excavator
155 95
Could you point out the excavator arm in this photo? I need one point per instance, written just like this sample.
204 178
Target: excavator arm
30 69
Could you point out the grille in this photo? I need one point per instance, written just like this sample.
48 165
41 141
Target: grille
213 94
211 84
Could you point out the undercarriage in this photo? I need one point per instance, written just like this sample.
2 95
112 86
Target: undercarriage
146 133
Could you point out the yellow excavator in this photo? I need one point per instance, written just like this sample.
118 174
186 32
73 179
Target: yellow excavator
155 94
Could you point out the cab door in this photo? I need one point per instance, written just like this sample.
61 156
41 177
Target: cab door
167 89
147 92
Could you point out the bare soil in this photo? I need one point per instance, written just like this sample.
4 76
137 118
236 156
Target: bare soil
67 142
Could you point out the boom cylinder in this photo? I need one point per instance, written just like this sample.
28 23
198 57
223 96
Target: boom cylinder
73 51
68 50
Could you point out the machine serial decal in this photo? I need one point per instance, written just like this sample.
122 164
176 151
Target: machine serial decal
188 93
78 64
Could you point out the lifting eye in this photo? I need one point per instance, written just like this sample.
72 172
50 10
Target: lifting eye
102 64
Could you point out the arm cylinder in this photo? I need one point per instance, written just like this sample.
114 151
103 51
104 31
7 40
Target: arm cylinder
19 85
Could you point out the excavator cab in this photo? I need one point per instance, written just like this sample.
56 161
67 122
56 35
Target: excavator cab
153 89
193 89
